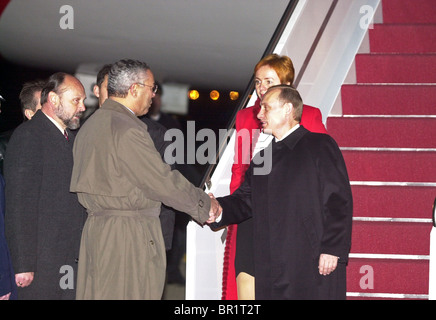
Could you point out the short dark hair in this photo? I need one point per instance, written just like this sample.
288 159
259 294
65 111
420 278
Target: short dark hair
104 71
27 94
123 74
52 85
288 94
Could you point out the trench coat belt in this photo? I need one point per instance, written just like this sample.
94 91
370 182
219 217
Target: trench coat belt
151 212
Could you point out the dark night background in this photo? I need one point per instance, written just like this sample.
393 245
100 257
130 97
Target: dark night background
205 112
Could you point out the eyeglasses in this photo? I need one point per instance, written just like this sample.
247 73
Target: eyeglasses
154 87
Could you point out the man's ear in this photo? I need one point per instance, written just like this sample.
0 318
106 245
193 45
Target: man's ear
288 108
29 113
96 91
53 98
134 90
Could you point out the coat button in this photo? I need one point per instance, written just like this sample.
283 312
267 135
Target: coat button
201 203
151 242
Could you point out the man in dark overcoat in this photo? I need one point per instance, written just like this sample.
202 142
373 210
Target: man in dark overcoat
302 208
8 289
43 218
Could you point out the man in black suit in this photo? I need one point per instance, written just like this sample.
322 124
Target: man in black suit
43 218
8 289
301 209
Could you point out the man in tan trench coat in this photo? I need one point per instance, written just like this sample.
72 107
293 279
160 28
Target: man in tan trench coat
121 180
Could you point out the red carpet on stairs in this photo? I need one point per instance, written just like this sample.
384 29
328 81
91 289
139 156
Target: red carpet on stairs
391 238
405 38
387 134
409 11
388 276
391 166
363 99
396 68
410 201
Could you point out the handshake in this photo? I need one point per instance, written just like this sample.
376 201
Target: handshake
215 209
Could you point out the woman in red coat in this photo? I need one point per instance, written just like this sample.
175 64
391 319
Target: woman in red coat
238 270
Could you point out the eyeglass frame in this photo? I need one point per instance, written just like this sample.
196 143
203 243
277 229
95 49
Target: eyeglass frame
154 87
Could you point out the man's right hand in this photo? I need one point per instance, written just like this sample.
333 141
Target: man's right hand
215 209
24 279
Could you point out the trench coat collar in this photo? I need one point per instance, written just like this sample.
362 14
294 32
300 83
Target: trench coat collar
113 105
291 140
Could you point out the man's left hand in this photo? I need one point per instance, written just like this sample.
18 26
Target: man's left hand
327 264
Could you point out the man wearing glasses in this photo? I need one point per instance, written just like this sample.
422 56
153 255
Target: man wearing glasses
121 180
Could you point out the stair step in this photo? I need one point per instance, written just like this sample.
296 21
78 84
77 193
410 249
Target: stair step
390 166
405 238
393 296
403 38
407 11
390 276
364 99
383 132
395 68
393 201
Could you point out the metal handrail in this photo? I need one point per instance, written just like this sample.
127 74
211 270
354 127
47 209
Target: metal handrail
315 43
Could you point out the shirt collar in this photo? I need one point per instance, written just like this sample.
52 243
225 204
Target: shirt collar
288 133
56 124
